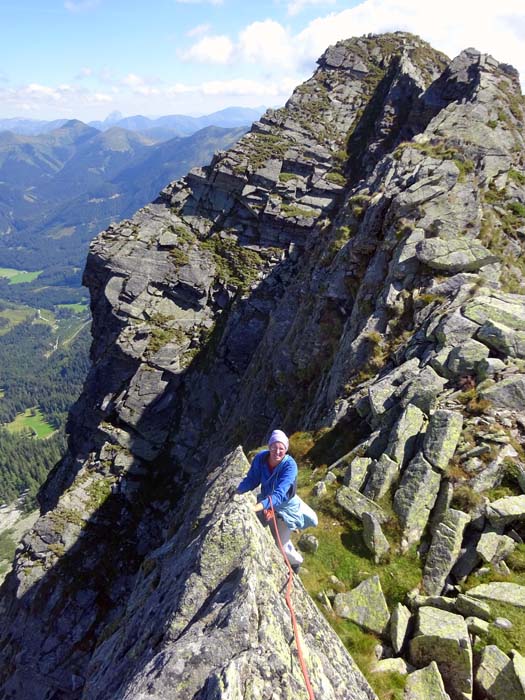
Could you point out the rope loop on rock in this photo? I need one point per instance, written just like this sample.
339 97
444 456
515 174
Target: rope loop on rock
288 598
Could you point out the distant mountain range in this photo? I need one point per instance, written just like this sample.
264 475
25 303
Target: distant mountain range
156 129
58 189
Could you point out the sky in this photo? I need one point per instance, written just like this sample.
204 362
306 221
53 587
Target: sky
85 59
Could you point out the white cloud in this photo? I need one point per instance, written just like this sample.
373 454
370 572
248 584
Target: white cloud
210 49
132 80
64 99
449 26
297 6
268 43
199 30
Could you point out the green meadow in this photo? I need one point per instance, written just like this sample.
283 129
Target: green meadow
31 421
13 315
18 276
78 308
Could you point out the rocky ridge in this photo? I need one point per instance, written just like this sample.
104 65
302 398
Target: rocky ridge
352 268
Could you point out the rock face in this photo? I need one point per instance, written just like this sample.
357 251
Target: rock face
207 629
351 269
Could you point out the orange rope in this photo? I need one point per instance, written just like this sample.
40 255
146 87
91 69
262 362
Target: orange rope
289 603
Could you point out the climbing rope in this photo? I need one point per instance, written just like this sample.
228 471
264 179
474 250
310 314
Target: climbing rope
288 598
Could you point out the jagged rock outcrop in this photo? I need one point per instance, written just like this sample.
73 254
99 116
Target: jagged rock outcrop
353 268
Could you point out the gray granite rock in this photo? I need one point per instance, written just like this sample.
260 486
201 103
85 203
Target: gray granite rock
403 438
494 548
356 504
399 627
395 665
365 605
444 550
356 473
374 538
467 606
496 677
465 359
503 339
506 510
381 475
507 393
441 437
443 637
454 255
511 593
425 684
415 497
477 626
506 309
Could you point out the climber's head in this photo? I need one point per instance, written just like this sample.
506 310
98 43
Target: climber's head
278 446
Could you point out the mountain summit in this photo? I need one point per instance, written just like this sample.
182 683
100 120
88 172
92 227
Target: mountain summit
350 271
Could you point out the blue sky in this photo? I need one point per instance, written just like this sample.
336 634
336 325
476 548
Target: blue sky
87 58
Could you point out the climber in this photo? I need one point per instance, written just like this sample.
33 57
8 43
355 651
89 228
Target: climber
275 472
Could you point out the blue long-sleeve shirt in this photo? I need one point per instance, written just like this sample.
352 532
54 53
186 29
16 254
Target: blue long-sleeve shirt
279 483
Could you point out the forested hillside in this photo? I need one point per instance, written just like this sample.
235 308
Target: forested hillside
43 382
57 190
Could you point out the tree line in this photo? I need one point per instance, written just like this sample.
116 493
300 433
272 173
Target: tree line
30 376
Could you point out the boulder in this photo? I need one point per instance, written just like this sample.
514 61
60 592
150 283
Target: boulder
308 543
434 601
494 548
356 473
505 340
490 367
503 623
383 393
502 591
320 490
454 255
444 550
425 684
469 607
374 538
415 497
518 664
442 504
382 474
442 437
365 605
454 329
423 390
443 637
502 308
465 358
396 665
506 510
404 434
496 677
399 622
508 393
491 474
477 626
356 504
